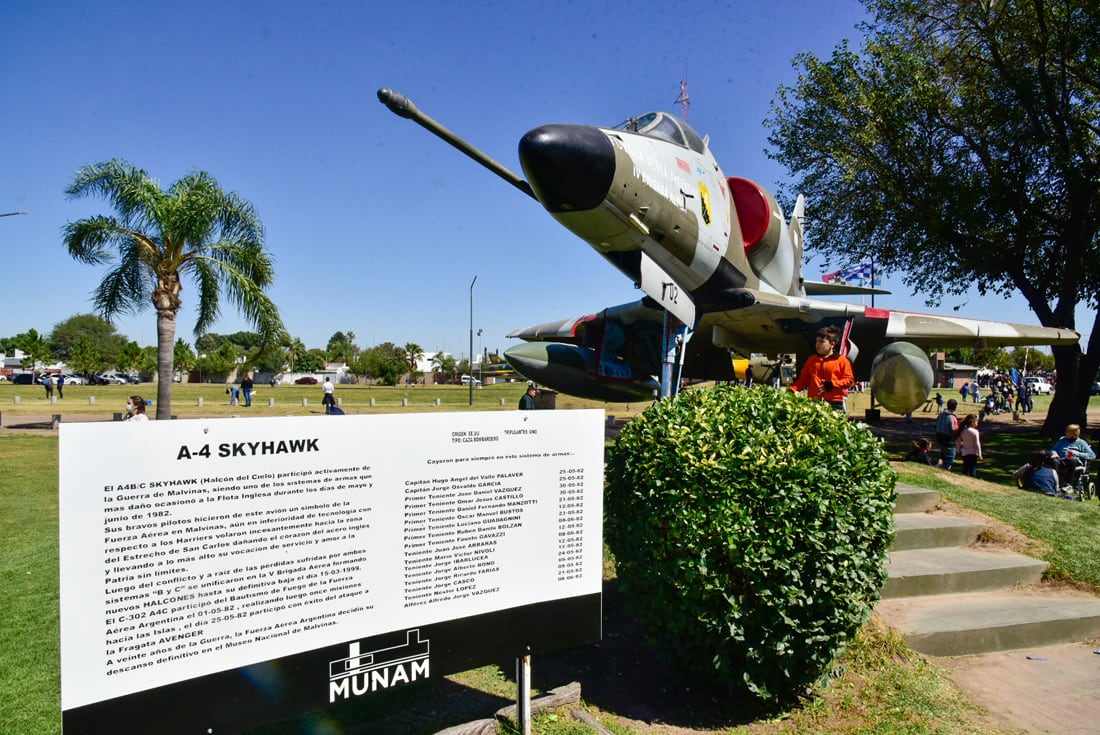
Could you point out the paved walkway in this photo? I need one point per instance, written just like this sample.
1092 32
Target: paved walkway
1051 689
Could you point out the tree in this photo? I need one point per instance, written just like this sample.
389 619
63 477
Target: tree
85 357
341 347
414 353
960 148
183 357
220 362
100 332
1031 360
147 361
310 362
385 362
209 342
271 359
128 358
445 365
157 238
34 346
295 348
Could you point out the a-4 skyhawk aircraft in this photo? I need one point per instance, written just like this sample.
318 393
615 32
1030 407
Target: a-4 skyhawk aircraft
714 252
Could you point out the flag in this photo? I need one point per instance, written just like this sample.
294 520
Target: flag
859 274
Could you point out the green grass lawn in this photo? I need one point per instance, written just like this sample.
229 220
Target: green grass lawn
207 399
29 652
886 689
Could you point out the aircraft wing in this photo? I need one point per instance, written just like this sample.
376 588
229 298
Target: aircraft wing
617 351
777 321
820 288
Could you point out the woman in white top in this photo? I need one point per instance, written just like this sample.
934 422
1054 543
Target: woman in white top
135 409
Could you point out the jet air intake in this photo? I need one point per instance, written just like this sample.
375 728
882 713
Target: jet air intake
569 167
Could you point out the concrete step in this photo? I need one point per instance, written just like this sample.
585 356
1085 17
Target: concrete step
983 622
949 570
933 530
913 499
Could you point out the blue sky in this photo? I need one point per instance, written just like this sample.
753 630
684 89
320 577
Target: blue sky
376 227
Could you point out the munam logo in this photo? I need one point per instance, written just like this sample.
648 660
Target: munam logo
361 673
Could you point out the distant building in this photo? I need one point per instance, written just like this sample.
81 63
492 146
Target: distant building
951 374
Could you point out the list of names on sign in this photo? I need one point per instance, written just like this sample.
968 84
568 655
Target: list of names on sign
217 544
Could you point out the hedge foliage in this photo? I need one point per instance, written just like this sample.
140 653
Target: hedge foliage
750 529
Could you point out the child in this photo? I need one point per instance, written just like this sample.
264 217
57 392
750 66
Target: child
919 452
970 445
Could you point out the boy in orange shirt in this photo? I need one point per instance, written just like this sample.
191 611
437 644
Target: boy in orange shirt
828 374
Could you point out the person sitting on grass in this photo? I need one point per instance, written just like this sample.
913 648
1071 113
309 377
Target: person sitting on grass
1039 474
919 452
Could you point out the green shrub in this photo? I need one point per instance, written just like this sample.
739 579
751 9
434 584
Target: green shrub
750 529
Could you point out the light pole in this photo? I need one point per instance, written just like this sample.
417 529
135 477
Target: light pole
480 359
471 353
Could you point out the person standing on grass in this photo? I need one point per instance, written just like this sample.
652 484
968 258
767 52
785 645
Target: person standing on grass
970 445
947 426
246 389
329 393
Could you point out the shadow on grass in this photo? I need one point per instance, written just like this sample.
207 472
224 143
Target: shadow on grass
421 709
625 675
622 674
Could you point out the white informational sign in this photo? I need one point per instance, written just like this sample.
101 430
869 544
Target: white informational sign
198 546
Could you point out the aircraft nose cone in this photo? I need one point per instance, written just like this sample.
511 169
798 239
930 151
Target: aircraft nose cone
569 167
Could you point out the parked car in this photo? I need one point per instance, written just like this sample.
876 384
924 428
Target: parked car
467 379
23 379
1039 386
71 379
306 380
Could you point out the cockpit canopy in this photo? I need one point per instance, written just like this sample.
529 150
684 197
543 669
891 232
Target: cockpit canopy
665 127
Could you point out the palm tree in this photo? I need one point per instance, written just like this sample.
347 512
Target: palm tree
156 238
295 349
414 353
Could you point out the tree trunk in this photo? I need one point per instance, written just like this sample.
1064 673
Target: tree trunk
1076 373
166 345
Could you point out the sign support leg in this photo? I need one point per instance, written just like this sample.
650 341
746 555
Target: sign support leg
523 694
